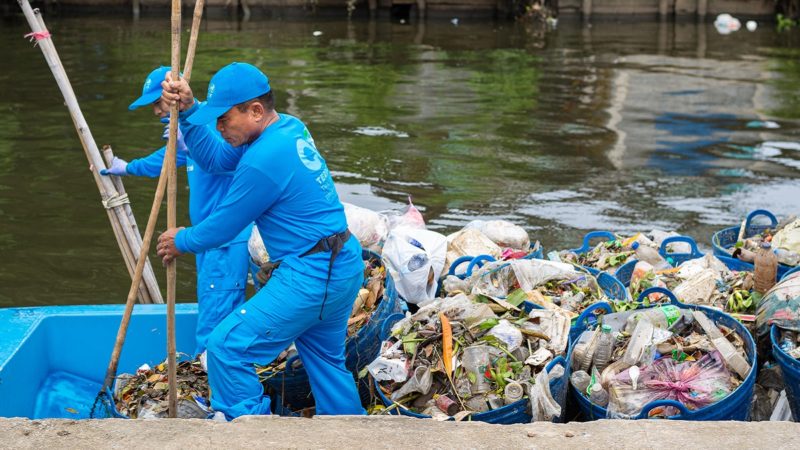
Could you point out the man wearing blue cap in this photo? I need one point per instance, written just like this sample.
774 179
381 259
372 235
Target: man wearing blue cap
283 184
221 271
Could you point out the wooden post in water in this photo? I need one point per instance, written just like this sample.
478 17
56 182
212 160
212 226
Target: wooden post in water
663 9
702 8
586 9
114 203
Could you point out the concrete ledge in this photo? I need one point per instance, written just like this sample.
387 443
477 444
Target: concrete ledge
391 432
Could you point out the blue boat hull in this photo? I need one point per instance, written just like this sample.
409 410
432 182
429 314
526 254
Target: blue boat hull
53 359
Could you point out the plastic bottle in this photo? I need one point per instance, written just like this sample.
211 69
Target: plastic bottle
660 316
788 341
598 395
766 269
605 347
580 380
649 254
787 257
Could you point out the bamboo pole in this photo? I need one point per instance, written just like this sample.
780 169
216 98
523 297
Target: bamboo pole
172 221
123 229
132 237
190 51
128 253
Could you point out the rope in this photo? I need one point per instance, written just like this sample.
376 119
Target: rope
38 36
115 200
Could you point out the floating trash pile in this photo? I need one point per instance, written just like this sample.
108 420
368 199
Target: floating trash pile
455 357
661 353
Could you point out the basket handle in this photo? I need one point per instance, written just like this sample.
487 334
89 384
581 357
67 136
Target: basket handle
479 261
587 316
660 290
587 240
557 361
694 252
650 406
461 260
290 363
388 323
761 212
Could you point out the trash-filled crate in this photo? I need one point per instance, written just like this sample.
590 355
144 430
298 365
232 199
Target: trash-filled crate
787 359
367 328
680 361
742 242
717 281
456 359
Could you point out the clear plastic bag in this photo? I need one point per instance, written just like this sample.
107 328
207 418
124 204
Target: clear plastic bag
415 259
256 248
469 242
695 384
369 227
408 217
503 233
543 406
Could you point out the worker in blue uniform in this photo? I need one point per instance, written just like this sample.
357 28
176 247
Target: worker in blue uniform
221 270
283 184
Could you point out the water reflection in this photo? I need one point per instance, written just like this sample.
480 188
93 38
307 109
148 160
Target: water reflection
622 126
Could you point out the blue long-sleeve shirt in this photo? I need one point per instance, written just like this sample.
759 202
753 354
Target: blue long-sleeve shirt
282 183
206 189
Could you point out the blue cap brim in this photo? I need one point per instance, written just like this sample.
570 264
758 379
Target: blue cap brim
144 100
206 114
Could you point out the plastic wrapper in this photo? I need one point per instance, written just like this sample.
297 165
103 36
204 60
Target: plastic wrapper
369 227
256 248
415 259
695 384
543 406
675 247
469 242
503 233
508 334
780 306
788 238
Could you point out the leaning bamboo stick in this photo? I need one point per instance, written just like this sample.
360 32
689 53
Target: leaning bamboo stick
107 191
172 221
128 252
128 227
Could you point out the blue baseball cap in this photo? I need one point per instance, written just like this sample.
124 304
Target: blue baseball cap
234 84
151 90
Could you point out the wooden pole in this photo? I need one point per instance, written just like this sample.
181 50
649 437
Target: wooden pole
198 16
172 221
123 229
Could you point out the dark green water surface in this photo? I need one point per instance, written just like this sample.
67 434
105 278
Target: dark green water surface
621 126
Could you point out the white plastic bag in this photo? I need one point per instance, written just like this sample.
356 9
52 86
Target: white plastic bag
503 233
369 227
415 259
255 245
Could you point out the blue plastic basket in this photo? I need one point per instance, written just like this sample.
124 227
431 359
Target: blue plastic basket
292 384
625 272
736 406
610 285
790 368
791 272
727 238
516 412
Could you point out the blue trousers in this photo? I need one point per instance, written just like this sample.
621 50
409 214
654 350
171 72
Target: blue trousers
221 283
286 310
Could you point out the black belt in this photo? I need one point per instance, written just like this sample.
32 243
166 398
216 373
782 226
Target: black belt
334 244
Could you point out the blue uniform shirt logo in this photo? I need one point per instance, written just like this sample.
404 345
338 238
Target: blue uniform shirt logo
309 155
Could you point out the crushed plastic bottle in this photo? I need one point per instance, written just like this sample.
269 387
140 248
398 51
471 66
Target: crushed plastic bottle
660 317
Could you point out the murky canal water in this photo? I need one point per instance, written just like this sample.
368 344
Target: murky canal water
620 126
